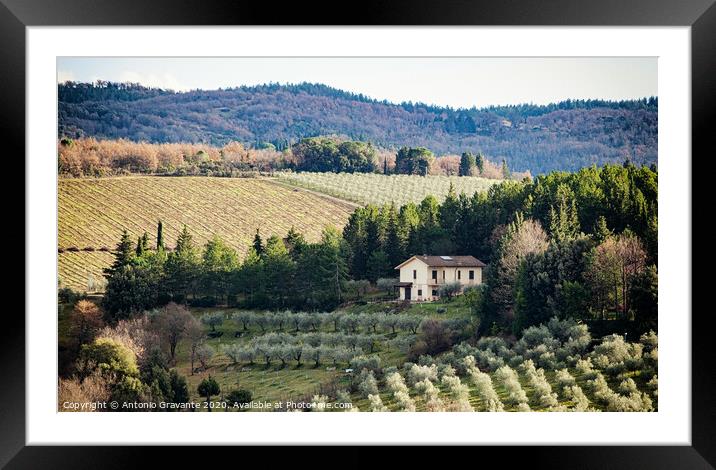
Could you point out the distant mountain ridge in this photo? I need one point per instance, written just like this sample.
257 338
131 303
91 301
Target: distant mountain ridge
562 136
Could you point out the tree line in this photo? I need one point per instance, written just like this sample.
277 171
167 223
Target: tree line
277 273
576 244
560 136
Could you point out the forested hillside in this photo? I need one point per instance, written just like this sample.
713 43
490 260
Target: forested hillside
563 136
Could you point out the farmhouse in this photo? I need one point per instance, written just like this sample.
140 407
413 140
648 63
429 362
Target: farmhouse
422 276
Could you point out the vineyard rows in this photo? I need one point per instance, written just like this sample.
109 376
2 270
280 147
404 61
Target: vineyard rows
372 188
93 212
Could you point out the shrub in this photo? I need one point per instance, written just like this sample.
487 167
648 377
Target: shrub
376 404
516 395
486 391
386 284
367 385
577 396
239 399
449 290
396 385
653 385
418 373
319 403
371 363
459 393
431 395
564 378
614 355
542 389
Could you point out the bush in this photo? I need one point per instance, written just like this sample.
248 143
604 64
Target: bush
418 373
376 404
449 290
516 395
485 390
430 395
367 385
396 385
239 399
459 393
543 390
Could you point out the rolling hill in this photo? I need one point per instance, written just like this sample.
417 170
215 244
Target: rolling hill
563 136
93 212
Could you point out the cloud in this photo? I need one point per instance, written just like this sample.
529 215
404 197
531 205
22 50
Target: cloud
165 80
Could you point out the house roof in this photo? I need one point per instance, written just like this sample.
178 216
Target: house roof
447 261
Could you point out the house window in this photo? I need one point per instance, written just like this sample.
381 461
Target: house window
435 274
420 292
443 274
459 273
435 293
472 274
415 274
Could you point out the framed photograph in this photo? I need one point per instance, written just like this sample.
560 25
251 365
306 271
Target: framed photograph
439 224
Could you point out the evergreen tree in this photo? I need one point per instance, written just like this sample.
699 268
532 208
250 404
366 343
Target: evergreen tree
295 242
394 238
182 266
449 209
142 245
506 174
123 255
601 232
258 243
467 164
480 162
564 221
160 236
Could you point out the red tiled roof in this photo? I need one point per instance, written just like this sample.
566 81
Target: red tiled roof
449 261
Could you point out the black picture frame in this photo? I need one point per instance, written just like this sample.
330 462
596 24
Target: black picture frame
700 15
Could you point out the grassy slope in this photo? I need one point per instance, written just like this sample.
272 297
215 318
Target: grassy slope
93 213
371 188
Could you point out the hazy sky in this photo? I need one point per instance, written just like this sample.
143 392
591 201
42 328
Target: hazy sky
456 82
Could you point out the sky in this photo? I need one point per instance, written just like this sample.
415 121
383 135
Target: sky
458 82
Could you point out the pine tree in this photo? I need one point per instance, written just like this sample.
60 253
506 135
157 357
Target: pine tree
123 255
258 244
295 242
142 245
506 174
480 162
394 238
601 232
449 209
185 244
467 164
564 221
160 236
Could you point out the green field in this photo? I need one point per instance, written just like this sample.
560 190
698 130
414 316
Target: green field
373 188
93 212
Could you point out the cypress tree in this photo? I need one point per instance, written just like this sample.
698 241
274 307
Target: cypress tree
160 236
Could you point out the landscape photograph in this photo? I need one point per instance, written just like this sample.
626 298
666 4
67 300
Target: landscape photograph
278 234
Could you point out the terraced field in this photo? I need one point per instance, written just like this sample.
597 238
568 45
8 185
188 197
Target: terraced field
93 212
372 188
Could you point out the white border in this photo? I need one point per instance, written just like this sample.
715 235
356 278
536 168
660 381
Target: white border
671 425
